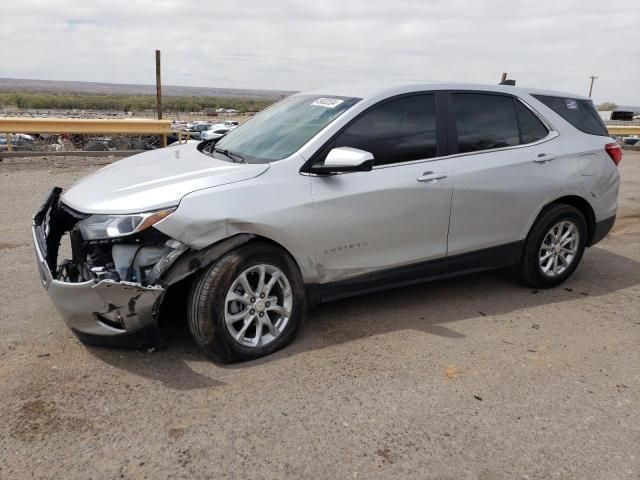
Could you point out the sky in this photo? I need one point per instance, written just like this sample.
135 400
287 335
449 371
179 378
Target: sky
300 45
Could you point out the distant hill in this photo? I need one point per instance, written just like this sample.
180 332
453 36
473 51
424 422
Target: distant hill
55 86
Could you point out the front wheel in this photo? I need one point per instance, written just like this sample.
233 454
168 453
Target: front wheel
249 304
554 247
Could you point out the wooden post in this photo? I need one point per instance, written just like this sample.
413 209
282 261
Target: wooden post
163 138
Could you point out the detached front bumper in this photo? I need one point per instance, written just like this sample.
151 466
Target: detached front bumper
99 312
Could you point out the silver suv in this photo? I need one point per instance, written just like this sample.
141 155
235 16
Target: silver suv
324 195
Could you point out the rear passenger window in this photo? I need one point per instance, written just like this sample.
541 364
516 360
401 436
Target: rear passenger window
485 121
399 130
579 113
531 128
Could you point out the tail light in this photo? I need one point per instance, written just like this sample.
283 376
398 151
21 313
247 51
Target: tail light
614 151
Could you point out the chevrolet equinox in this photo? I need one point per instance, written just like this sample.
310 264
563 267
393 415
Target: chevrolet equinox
324 195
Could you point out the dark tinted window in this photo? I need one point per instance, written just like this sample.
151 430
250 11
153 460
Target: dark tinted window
579 113
400 130
531 128
485 121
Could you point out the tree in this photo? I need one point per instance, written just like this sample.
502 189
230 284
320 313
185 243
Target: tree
607 106
82 101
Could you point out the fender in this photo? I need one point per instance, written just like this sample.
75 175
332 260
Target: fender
188 261
570 198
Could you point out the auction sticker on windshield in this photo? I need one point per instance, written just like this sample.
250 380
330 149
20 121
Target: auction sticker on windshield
327 102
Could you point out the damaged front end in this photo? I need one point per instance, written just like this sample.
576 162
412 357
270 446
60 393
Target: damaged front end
109 291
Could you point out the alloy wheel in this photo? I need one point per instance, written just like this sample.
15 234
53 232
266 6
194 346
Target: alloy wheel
559 248
258 305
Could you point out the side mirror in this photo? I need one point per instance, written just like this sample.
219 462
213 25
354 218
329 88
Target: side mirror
345 159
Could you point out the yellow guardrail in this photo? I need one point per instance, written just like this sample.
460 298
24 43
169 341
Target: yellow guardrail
142 127
624 129
84 126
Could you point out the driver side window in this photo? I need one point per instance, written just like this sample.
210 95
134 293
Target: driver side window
400 130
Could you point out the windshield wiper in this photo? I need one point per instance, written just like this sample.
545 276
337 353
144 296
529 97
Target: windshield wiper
234 157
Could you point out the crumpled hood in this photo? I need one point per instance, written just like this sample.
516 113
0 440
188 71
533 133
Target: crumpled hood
154 180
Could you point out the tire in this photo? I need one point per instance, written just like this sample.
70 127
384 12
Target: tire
210 307
533 260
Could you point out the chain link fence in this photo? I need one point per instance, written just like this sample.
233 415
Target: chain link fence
80 142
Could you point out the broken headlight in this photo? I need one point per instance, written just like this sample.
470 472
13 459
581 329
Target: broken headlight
100 227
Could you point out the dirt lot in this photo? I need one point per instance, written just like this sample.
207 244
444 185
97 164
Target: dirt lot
470 378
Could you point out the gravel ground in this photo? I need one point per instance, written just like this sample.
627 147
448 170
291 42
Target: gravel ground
469 378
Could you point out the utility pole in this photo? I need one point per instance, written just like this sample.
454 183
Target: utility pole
163 138
592 77
158 86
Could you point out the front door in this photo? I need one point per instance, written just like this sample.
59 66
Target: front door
396 216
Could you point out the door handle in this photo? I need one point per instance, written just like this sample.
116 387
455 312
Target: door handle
431 176
544 158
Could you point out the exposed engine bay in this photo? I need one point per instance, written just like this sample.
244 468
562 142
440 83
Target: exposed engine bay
108 286
109 292
130 258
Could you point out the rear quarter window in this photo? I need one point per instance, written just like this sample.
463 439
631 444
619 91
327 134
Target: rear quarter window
578 112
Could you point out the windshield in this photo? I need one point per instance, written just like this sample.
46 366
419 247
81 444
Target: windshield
283 128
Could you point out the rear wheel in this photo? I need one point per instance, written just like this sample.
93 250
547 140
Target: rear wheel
554 247
250 303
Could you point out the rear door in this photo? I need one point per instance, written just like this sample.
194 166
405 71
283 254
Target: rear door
506 162
395 215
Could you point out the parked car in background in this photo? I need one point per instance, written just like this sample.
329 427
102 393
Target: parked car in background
19 141
214 133
324 195
623 115
196 129
178 125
